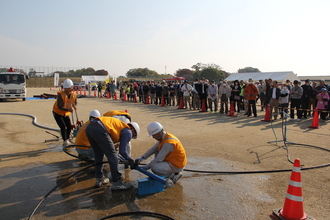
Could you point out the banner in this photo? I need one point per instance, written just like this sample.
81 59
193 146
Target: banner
56 79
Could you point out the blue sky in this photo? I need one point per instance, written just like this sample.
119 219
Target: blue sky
272 35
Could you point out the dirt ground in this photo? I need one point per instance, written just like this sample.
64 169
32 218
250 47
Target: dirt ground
31 167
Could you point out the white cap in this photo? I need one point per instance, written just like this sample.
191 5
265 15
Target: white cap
95 114
154 128
136 128
67 83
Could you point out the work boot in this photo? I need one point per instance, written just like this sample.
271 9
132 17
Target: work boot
176 177
101 181
119 185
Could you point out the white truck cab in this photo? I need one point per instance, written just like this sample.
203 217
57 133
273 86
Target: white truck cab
12 85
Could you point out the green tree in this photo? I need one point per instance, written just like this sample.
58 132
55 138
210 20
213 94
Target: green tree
212 74
101 73
200 67
141 72
248 69
186 73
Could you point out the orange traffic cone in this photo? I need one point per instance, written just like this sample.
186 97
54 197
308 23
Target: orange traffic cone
80 92
267 114
147 100
163 102
50 88
315 122
94 93
181 103
203 106
115 96
85 93
108 95
126 110
124 97
76 92
293 205
232 111
134 99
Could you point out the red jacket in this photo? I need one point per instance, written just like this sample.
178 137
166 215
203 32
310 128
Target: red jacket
251 92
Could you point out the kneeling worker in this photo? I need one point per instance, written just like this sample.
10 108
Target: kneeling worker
81 143
170 156
103 133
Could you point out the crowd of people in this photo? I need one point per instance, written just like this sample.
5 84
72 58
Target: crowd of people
294 99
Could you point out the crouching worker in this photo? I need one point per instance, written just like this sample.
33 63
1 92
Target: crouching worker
124 117
81 143
170 156
103 133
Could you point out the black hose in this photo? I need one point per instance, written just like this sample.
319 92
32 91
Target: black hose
59 184
142 213
265 171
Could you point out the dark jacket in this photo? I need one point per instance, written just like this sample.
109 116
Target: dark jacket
199 88
307 92
278 93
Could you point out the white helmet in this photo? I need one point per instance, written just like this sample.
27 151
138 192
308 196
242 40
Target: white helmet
154 128
95 114
136 128
67 83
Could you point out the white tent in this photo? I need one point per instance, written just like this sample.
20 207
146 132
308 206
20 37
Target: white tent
281 77
92 78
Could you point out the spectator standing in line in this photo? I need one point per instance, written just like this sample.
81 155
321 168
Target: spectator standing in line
158 99
171 91
140 92
235 95
152 93
296 93
99 89
212 96
195 97
146 90
224 94
186 90
306 97
275 93
164 93
313 101
262 88
179 93
201 88
269 83
251 92
242 103
322 103
112 88
284 100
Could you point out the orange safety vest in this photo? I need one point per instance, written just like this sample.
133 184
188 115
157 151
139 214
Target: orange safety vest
116 112
67 103
113 127
81 138
178 156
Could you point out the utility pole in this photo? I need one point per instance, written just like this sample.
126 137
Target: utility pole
165 69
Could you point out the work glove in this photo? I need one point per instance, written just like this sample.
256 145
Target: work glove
138 160
131 162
